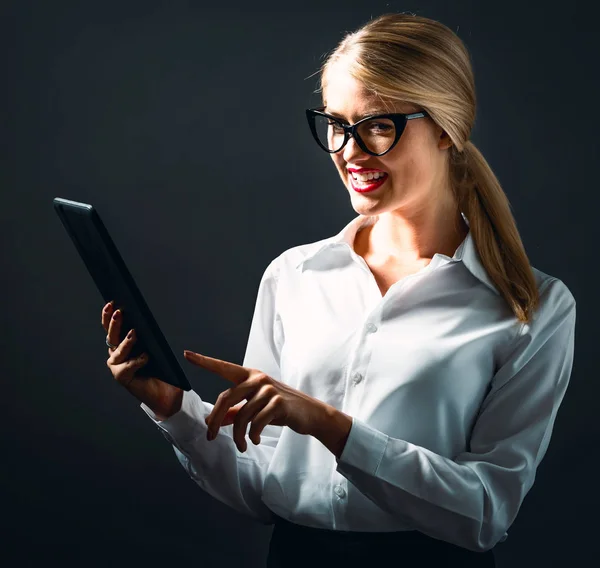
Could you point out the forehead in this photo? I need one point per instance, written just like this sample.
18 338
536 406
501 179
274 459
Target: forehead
347 97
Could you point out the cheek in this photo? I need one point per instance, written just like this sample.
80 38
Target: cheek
410 162
413 171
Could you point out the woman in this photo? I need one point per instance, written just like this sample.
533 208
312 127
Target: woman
416 358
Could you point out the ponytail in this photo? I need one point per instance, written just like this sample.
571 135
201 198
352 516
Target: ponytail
494 230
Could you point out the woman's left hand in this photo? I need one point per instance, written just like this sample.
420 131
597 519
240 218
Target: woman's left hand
269 402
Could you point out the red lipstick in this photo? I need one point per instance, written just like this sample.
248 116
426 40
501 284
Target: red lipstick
363 170
369 187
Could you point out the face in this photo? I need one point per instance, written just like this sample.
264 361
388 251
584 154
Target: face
415 170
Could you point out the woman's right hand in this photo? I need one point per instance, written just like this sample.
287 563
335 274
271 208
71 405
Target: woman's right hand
162 398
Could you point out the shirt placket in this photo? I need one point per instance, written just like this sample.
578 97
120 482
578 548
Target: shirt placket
360 358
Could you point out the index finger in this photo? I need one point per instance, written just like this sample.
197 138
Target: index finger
230 371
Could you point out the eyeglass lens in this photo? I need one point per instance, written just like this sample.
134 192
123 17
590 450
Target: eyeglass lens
377 134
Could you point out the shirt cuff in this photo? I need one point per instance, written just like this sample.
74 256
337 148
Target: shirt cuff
364 447
187 423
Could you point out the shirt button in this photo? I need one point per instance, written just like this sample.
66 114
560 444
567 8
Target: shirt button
357 378
339 491
371 327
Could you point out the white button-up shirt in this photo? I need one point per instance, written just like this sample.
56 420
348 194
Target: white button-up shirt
452 399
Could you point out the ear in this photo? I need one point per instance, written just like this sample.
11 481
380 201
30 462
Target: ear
444 141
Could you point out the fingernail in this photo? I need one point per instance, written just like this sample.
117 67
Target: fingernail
117 315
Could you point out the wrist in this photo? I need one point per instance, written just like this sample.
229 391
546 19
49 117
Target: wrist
333 429
171 407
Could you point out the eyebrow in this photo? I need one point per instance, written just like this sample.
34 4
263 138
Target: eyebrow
370 112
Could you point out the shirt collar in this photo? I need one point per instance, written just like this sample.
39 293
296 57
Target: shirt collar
466 251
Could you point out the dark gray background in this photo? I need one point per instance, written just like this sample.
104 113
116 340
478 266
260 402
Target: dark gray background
184 125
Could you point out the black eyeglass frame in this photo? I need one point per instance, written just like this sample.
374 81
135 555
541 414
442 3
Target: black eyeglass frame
399 120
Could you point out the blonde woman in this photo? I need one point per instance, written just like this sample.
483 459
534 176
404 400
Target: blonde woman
401 378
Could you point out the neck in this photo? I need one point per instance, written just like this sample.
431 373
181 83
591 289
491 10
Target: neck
409 238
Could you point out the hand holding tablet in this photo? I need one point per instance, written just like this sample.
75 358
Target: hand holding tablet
162 398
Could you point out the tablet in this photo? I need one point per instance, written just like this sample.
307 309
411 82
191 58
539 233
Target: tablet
113 280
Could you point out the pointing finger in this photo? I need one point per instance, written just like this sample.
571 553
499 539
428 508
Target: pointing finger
230 371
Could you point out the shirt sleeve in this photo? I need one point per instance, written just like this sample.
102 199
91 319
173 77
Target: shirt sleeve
218 467
473 499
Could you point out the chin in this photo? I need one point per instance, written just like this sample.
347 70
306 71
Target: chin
364 207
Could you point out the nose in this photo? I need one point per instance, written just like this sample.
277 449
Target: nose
353 152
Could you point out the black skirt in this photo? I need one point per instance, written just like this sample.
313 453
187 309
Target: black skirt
295 546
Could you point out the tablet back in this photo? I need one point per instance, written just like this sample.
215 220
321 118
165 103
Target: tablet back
114 281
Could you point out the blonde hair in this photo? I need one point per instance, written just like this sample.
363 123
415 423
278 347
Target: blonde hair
409 58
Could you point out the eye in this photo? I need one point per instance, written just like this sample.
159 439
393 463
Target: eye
380 127
336 126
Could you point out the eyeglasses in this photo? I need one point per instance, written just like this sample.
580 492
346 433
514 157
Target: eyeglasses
376 135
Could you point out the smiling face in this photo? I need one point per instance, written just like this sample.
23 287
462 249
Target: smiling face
416 168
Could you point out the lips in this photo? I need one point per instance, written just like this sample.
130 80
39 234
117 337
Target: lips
371 186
